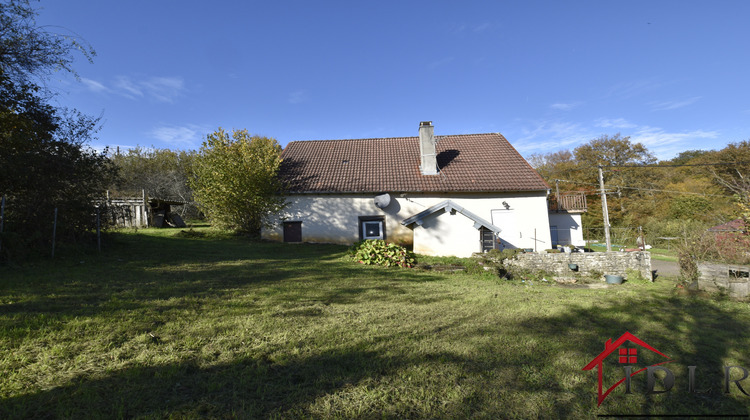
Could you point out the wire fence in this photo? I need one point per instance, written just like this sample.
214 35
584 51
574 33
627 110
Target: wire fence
16 240
620 237
629 237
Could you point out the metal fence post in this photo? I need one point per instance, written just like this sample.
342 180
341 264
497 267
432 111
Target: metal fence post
98 230
54 233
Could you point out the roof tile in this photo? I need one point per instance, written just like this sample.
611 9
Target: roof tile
468 163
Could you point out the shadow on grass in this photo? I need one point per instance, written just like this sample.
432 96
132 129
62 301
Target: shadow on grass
527 365
690 331
245 388
538 375
143 271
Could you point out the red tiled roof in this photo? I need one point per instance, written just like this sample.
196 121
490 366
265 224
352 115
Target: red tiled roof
468 163
736 225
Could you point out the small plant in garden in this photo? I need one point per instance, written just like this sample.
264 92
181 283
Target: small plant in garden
635 276
480 266
191 233
593 277
688 267
378 252
506 253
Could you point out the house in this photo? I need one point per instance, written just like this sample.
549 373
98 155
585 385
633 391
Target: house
443 195
565 214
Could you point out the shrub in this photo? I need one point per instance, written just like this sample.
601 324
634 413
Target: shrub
634 276
688 267
235 180
725 247
593 277
505 254
530 275
733 247
378 252
479 266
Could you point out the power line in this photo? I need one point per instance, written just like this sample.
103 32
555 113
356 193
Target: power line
642 189
655 165
677 166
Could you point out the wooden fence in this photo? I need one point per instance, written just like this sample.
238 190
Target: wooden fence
128 211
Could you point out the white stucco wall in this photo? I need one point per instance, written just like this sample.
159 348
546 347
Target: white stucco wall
569 228
335 218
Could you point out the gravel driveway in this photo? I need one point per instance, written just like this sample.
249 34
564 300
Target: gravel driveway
665 268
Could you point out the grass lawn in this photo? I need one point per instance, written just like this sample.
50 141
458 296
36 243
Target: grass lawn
662 254
164 324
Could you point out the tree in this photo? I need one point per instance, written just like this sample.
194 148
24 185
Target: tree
44 163
630 200
28 52
613 151
734 175
162 173
555 165
235 180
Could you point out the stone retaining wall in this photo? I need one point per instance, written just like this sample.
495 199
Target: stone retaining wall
715 277
589 263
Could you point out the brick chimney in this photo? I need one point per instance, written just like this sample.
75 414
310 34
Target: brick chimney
428 165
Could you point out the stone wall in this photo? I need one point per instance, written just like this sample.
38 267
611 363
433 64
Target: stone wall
589 263
715 277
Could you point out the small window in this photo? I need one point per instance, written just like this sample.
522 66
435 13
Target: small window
371 228
739 274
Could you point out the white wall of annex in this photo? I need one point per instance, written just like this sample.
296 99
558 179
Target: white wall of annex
447 234
569 228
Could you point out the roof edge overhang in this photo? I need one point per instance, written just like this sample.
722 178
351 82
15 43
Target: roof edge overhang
395 191
449 206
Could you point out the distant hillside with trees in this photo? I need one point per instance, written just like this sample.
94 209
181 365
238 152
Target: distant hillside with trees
695 190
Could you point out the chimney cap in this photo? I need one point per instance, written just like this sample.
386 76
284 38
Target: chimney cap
425 124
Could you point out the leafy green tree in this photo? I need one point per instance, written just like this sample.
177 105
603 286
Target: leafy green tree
235 180
630 199
44 163
555 165
734 175
28 53
161 173
659 197
613 151
689 207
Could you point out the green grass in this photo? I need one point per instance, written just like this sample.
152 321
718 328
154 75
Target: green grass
165 324
662 254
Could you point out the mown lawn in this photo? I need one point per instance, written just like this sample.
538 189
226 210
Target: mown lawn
663 254
163 324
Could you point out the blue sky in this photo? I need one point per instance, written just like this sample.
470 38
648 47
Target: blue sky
548 75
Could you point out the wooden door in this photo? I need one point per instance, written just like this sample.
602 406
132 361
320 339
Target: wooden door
292 231
488 239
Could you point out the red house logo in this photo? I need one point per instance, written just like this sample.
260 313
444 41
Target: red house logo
625 356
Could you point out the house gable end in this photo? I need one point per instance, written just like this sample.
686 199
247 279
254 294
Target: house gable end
449 206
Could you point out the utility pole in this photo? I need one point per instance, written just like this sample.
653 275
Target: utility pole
557 195
605 210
